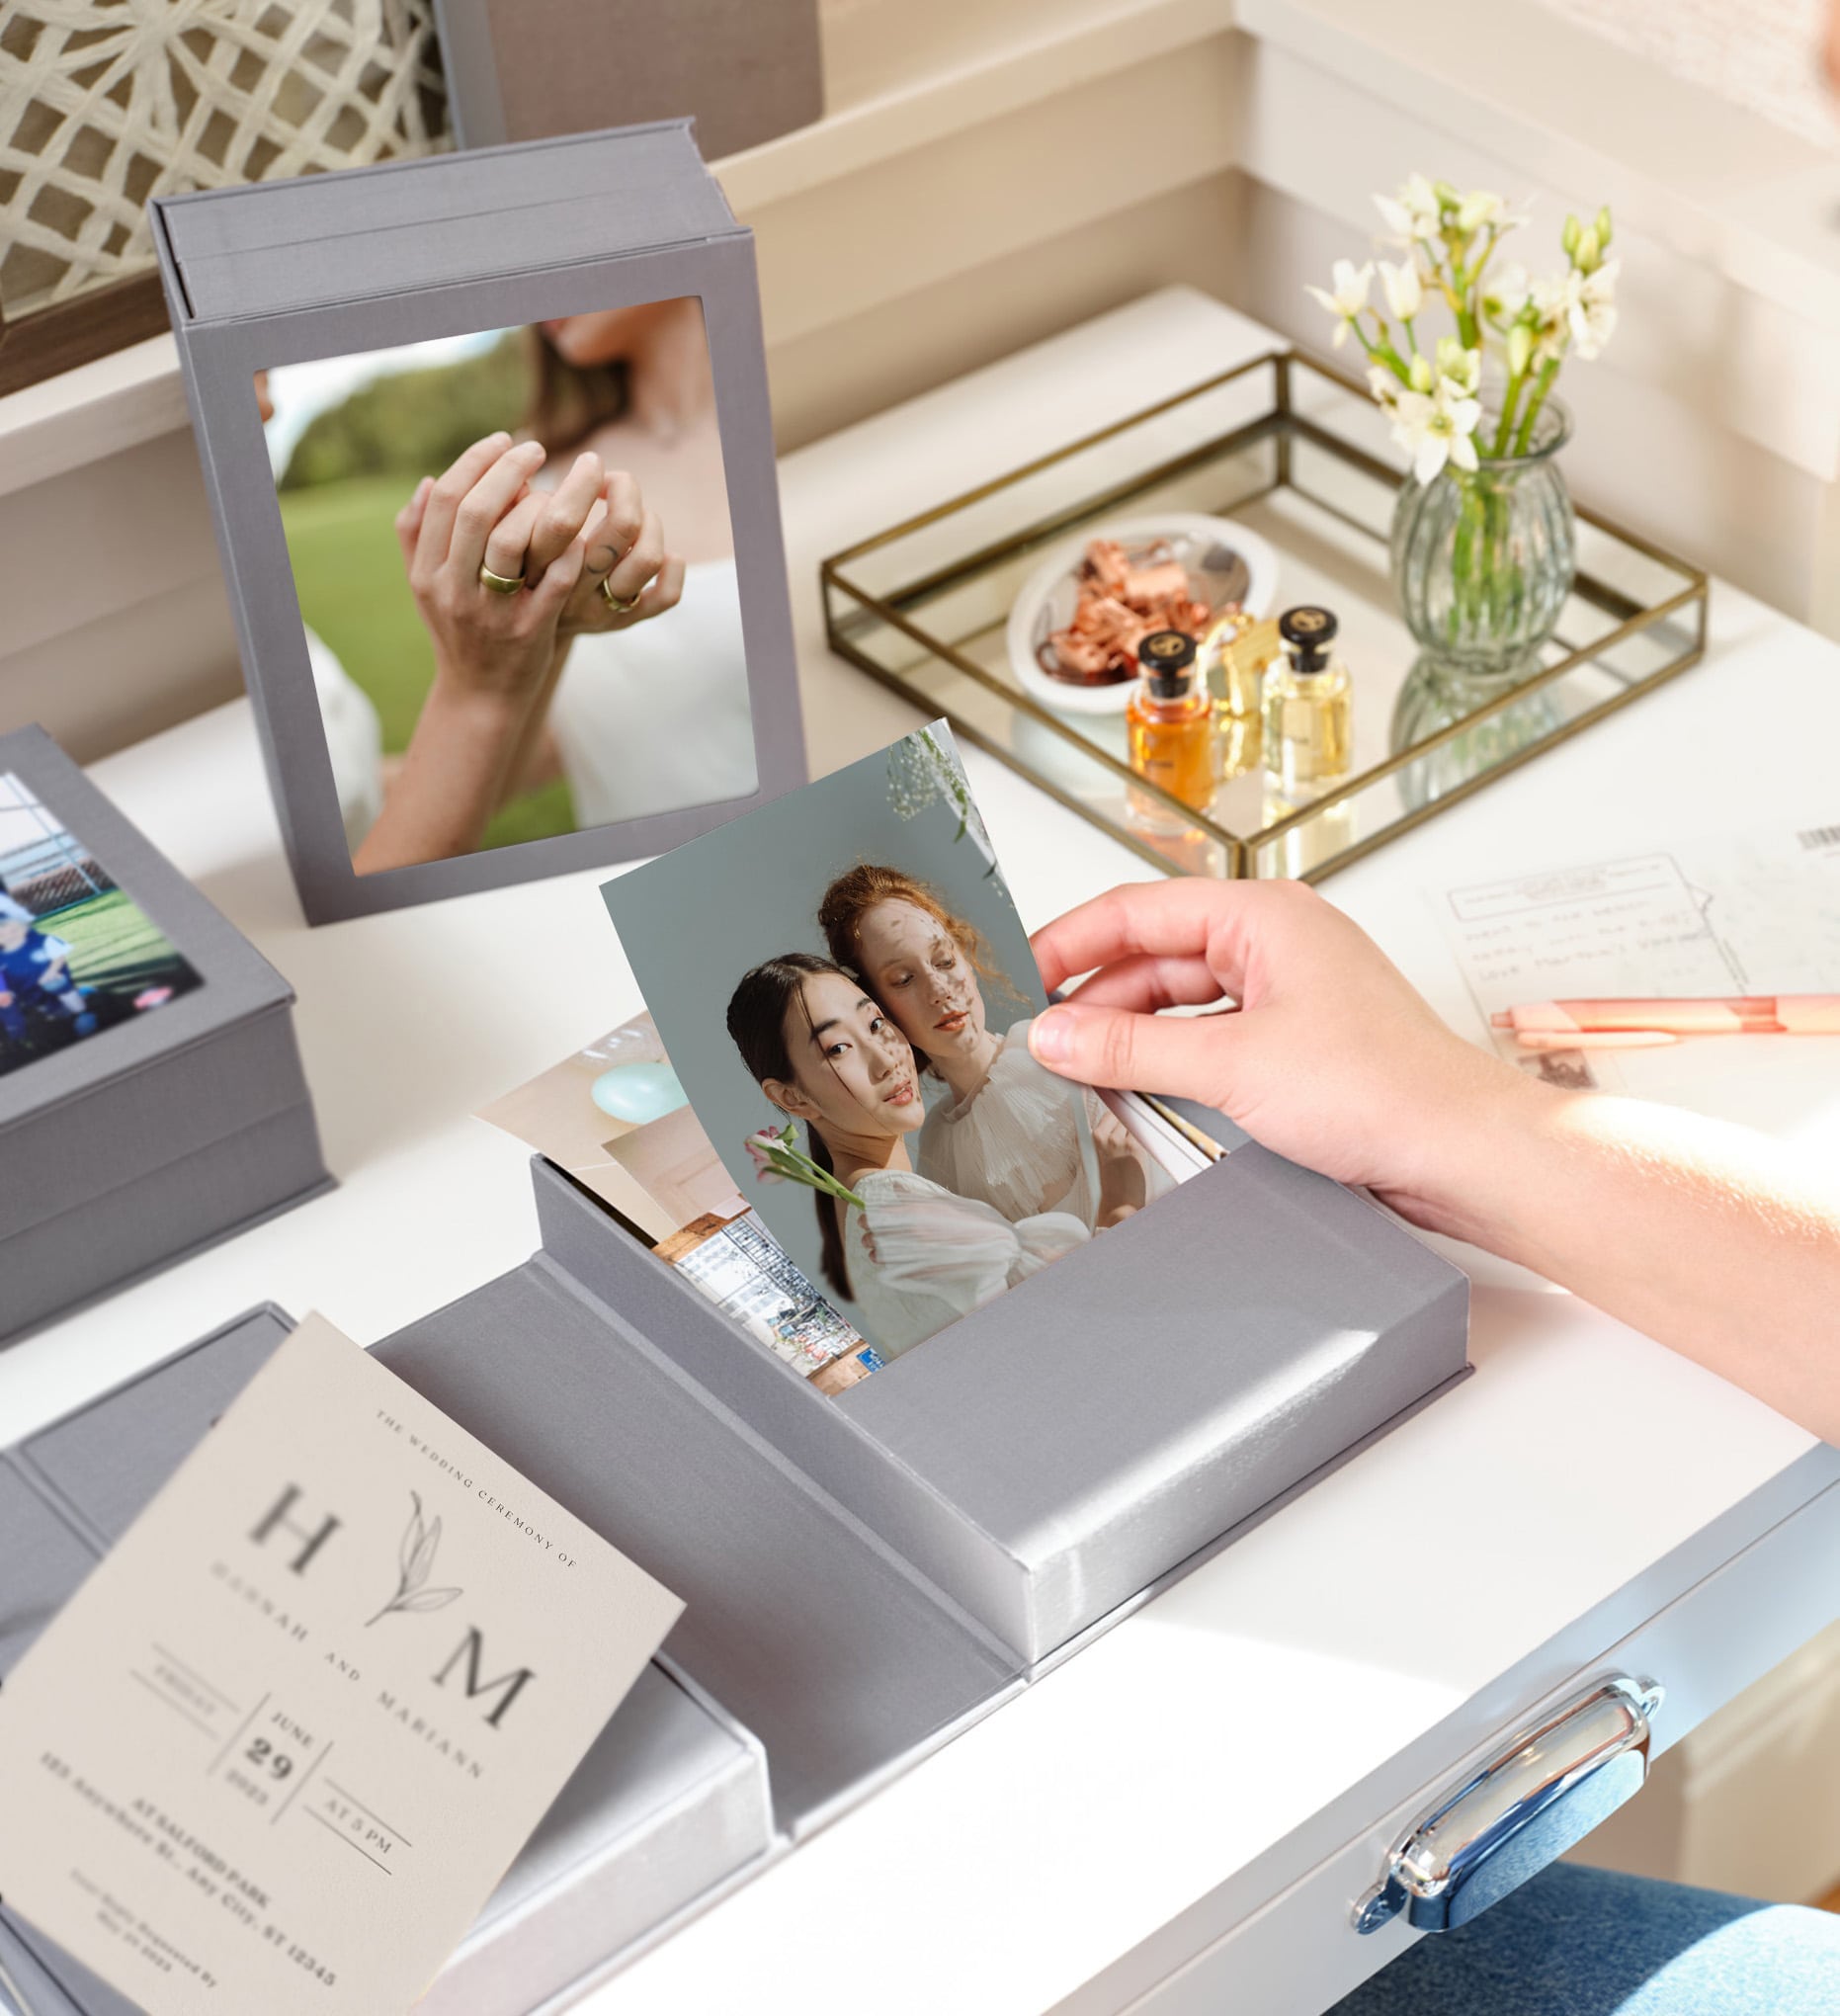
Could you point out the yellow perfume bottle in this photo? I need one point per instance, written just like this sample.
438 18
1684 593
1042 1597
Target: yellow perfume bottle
1170 718
1310 723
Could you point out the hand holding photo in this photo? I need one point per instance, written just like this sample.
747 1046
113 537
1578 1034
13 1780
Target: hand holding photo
846 992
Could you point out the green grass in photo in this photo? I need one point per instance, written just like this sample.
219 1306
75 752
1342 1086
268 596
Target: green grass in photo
115 947
355 595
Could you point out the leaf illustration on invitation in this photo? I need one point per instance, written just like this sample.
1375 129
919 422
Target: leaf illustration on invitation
417 1559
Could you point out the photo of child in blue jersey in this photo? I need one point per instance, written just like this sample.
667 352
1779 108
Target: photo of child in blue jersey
76 954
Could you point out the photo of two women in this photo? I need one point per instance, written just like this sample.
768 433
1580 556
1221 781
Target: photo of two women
845 990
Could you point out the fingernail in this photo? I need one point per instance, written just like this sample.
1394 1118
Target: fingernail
1051 1036
531 449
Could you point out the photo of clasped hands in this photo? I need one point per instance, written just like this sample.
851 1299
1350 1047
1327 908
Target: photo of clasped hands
505 576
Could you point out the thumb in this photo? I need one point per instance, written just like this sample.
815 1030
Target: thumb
1133 1053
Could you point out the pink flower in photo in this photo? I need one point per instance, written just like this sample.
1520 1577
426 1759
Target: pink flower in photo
760 1146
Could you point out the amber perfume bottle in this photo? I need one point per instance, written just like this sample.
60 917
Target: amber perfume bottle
1308 708
1170 717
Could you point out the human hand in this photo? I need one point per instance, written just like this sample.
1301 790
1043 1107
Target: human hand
481 513
624 557
1331 1058
1122 1189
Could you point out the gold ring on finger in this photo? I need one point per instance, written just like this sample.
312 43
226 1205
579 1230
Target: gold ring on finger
618 604
500 584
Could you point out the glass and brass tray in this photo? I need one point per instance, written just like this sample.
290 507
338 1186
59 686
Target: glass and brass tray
1300 456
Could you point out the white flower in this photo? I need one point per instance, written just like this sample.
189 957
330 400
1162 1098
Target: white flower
1460 367
1404 291
1575 310
1384 386
1347 296
1437 427
1507 291
1480 207
1591 308
1414 215
1551 301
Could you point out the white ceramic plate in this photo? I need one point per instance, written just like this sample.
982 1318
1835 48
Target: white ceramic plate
1225 562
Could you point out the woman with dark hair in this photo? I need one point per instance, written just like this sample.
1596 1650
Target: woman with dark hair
910 1254
1010 1133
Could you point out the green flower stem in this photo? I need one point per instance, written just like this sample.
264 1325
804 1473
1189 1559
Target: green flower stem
1504 432
798 1167
1548 372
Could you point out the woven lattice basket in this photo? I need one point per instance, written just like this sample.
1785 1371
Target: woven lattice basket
107 103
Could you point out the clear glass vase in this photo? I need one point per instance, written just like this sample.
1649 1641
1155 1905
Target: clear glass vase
1482 560
1436 695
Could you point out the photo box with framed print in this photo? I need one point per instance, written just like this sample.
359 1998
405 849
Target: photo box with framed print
151 1093
489 450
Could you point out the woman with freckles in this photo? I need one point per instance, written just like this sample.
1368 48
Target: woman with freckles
913 1257
1009 1134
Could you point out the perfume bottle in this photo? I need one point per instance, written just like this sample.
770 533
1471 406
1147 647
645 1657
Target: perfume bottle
1170 717
1308 708
1236 651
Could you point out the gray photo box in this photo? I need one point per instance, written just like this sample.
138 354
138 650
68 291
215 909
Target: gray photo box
862 1582
131 1149
948 1528
367 259
670 1802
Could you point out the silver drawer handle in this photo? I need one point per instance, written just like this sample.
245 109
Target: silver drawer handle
1547 1789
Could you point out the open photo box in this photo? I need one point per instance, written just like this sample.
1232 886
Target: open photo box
865 1573
669 1803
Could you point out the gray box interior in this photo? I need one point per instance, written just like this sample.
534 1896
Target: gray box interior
1203 1358
331 265
670 1800
135 1146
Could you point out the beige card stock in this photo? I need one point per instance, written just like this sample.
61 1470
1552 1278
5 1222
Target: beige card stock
279 1749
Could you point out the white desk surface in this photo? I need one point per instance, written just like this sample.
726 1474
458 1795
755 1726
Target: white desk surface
1084 1815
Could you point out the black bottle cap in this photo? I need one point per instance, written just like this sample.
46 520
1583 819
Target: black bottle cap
1308 629
1166 655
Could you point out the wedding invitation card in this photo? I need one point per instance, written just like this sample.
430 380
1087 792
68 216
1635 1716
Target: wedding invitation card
845 991
281 1745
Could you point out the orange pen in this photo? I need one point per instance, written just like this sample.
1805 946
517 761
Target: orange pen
1734 1015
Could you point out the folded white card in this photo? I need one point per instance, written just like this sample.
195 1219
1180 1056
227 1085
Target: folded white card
279 1749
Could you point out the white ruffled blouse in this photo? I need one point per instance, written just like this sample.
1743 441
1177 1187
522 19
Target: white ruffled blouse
936 1256
1015 1142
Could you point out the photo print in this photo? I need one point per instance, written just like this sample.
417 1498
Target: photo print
614 1117
845 991
77 955
514 561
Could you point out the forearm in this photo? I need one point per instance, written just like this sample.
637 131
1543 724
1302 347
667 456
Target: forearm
449 782
533 760
1707 1238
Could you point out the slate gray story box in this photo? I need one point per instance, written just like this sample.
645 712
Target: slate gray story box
746 70
488 447
152 1094
671 1801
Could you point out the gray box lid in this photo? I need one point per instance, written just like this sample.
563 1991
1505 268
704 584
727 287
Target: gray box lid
270 246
